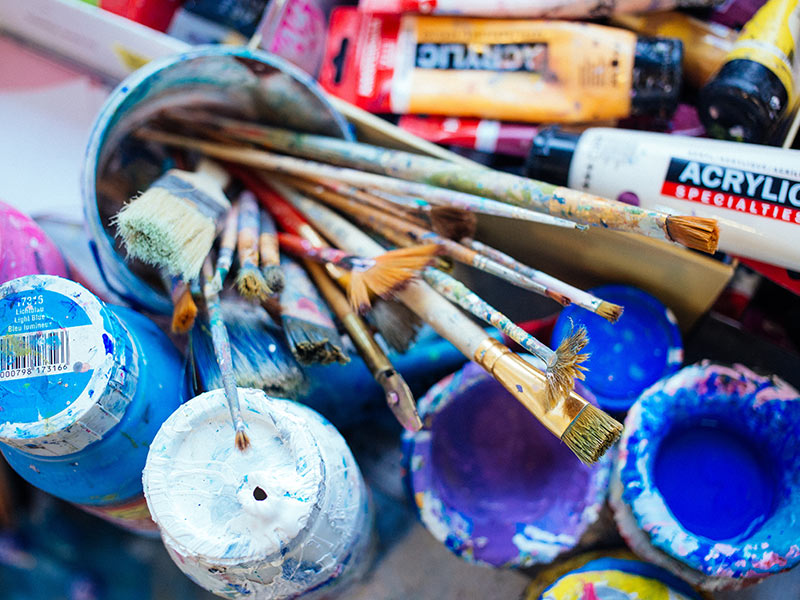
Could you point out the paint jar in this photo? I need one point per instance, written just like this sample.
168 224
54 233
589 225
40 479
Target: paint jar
84 387
491 483
630 355
288 517
616 577
24 248
252 84
707 483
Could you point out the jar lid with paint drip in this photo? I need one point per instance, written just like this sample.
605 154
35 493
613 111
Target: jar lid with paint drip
492 484
289 516
630 355
707 483
68 366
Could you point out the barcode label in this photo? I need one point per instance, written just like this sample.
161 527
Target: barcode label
38 353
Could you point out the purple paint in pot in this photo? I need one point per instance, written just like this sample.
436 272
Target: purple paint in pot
491 483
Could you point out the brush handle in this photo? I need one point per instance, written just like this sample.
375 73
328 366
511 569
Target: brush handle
302 247
227 243
249 220
268 252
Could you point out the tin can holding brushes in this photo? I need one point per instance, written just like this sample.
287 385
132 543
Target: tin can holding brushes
84 387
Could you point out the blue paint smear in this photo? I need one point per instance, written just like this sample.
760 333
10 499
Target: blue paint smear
108 343
714 482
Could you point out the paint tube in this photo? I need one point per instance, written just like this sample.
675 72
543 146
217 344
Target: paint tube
531 71
752 191
735 13
550 9
84 387
289 516
705 45
484 135
757 85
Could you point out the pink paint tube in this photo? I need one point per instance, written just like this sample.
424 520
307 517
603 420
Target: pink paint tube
25 249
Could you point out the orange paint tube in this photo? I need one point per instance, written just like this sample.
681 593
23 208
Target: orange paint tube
524 70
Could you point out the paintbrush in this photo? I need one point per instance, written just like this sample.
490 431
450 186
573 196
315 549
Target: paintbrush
249 279
222 351
586 430
184 309
382 275
396 323
307 320
311 169
268 254
694 232
172 225
260 360
398 397
227 245
563 365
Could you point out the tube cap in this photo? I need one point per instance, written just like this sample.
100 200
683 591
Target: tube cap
551 154
657 76
742 102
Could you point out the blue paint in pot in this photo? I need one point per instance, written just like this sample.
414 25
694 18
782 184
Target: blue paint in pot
84 387
630 355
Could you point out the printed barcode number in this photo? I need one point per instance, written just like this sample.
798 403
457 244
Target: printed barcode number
34 353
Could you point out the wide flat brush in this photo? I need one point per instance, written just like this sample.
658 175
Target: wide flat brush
249 278
694 232
269 255
172 225
586 430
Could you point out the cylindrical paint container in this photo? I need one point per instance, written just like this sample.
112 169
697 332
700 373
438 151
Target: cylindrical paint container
630 355
84 387
492 484
257 85
288 517
613 578
707 481
25 249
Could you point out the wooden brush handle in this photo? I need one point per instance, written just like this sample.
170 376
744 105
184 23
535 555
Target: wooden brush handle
302 247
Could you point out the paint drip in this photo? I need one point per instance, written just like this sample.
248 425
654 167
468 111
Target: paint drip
706 484
289 516
25 249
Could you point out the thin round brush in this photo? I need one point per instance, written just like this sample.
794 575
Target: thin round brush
307 320
227 245
260 360
172 225
586 430
382 275
249 279
563 365
184 309
268 254
311 169
694 232
608 310
398 397
222 352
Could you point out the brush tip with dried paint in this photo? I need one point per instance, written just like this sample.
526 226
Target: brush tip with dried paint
453 223
251 283
273 277
567 365
184 313
699 233
242 441
591 433
398 325
609 311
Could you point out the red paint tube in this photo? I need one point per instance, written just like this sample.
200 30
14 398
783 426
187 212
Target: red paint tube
485 135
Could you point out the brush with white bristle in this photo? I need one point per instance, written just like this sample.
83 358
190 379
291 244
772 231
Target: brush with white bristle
172 225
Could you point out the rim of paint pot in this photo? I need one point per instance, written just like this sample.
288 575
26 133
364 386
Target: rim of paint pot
201 489
112 265
763 413
527 542
88 326
617 391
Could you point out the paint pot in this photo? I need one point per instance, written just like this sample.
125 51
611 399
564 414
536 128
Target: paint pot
25 249
492 484
253 84
707 483
288 517
613 578
84 387
630 355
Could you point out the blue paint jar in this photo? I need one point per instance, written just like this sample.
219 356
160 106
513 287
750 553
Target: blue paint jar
84 387
630 355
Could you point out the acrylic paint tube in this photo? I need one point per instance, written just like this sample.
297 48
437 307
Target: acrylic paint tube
492 484
550 9
705 45
515 70
757 85
25 249
288 517
706 482
84 387
752 191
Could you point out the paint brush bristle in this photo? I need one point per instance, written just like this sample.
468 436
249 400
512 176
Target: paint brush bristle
591 433
397 324
251 283
609 311
184 313
698 233
273 276
566 366
312 343
453 223
242 441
